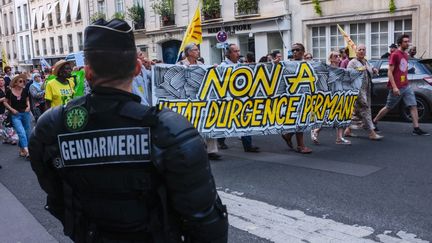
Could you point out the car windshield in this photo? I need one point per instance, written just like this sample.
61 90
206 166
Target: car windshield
427 64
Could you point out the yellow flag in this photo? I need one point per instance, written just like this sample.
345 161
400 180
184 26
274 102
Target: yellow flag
194 31
351 45
5 61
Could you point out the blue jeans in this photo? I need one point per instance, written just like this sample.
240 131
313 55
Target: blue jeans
22 125
246 141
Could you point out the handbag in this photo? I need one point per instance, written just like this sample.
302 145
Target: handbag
7 122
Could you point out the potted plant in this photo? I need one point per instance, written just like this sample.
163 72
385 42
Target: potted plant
211 9
136 13
118 15
97 16
245 7
165 8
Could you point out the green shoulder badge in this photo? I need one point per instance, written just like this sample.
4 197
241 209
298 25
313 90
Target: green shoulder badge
76 118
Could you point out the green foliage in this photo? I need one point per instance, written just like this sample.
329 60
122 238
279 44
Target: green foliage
136 13
211 9
317 7
392 6
97 16
118 15
163 7
247 6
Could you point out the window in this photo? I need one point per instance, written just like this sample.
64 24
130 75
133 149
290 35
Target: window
28 47
137 2
6 24
70 43
60 44
377 35
14 49
50 20
336 38
52 46
44 47
26 17
35 22
7 50
403 26
11 21
379 38
119 6
68 15
79 12
37 48
358 33
22 48
101 6
80 41
58 14
319 43
19 19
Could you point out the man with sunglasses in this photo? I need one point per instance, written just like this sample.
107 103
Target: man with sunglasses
60 90
298 51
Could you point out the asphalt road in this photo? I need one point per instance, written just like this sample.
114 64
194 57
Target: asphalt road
386 185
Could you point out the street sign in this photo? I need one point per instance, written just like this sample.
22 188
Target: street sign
221 45
221 36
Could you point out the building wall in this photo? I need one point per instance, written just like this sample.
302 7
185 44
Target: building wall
66 28
23 35
8 30
381 26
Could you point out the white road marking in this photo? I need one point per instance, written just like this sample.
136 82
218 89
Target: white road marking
281 225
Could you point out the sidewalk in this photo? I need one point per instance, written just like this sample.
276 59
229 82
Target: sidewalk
17 224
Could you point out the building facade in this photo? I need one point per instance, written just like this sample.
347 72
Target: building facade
258 26
8 32
23 35
371 23
57 28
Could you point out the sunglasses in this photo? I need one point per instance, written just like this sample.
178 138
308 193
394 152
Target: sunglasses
20 81
298 50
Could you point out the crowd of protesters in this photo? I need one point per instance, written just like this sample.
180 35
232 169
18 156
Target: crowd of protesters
24 97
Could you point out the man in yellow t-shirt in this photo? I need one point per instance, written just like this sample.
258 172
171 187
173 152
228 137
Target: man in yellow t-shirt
60 91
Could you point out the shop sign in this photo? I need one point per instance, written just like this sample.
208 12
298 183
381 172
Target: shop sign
231 29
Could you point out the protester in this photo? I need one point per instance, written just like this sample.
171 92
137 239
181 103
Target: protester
7 133
393 48
250 57
334 61
60 91
153 185
298 51
18 103
192 54
363 103
8 75
344 52
37 96
232 55
276 56
412 52
308 56
141 83
263 59
399 87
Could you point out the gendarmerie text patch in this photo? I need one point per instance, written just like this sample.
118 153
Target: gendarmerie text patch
108 146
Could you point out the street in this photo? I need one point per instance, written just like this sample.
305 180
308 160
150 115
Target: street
372 191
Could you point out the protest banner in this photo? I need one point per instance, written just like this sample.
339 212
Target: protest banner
258 99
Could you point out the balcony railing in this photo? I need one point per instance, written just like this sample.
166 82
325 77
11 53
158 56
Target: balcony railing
246 8
212 14
167 20
139 25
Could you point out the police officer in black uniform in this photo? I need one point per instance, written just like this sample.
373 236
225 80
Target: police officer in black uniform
117 171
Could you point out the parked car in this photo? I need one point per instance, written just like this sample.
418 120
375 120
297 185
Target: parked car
420 78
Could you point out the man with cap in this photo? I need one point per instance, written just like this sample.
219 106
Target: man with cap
118 171
60 90
393 47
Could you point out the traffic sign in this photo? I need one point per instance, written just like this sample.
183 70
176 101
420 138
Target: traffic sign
221 36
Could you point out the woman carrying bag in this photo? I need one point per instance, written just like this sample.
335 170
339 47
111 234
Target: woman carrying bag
18 103
7 133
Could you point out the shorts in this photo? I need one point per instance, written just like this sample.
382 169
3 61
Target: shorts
406 93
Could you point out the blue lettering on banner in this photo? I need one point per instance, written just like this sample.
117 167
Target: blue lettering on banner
108 146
